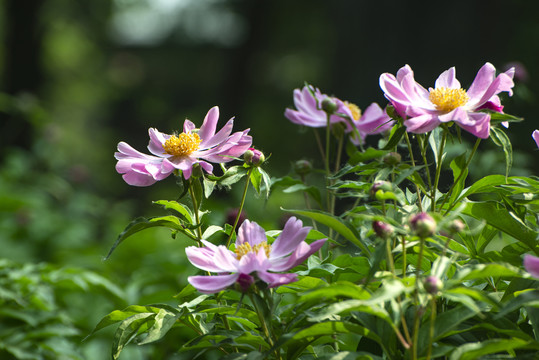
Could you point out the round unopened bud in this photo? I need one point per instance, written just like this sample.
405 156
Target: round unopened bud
456 226
393 158
380 185
253 157
329 105
303 167
423 225
382 229
432 285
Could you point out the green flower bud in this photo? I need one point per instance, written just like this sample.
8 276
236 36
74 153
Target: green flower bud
423 225
303 167
382 229
393 158
329 105
432 285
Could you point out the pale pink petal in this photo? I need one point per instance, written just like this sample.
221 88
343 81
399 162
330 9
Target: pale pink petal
481 127
459 115
292 235
274 280
212 284
225 259
251 233
203 258
535 136
253 262
531 264
485 76
208 142
188 126
137 179
422 124
157 139
447 80
207 130
300 254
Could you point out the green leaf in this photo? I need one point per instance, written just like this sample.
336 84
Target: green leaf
396 135
500 138
128 330
460 173
335 290
209 185
502 220
527 298
368 154
181 209
331 328
163 322
142 223
477 350
266 180
483 271
256 179
335 224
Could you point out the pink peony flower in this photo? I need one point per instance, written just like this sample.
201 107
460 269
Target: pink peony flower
535 136
374 120
424 110
252 255
182 151
309 109
531 264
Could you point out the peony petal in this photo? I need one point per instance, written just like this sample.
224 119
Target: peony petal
207 130
157 139
531 264
212 284
251 233
459 115
422 124
483 79
447 79
481 126
292 235
274 280
203 258
300 254
535 136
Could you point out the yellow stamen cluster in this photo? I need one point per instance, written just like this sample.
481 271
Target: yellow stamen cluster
447 100
246 248
181 145
356 111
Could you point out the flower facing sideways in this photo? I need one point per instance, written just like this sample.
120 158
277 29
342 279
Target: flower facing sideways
183 151
423 110
308 102
252 256
374 120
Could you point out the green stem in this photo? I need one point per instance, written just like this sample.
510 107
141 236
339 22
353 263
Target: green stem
468 161
431 326
438 171
240 208
417 317
418 191
195 209
319 143
422 140
265 327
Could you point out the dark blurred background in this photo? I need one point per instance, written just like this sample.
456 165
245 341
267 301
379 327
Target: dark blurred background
77 77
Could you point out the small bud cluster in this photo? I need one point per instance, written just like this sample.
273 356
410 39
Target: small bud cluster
254 157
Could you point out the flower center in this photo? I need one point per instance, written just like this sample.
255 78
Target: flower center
246 248
356 111
447 100
183 144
